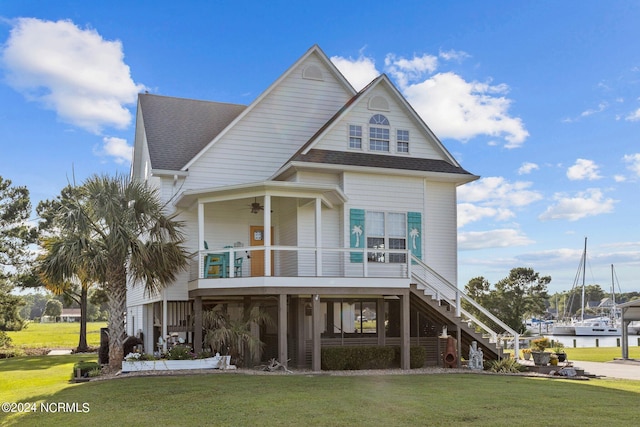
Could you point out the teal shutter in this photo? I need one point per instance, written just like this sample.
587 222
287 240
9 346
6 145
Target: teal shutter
356 231
414 233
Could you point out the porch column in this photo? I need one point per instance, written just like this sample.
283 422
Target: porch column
200 239
164 320
197 324
405 332
316 330
282 329
318 237
267 235
380 321
300 332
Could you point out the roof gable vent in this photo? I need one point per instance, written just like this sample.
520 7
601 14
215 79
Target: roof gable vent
312 72
378 103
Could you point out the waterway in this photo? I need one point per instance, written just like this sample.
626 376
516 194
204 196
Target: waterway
572 341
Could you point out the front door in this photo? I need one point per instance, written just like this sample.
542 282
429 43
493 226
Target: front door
256 238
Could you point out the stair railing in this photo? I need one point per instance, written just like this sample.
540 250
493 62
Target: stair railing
442 289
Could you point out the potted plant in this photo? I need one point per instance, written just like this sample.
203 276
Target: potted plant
540 357
526 353
559 351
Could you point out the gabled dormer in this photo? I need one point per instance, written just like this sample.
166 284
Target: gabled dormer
377 130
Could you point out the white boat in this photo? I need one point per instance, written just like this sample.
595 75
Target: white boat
600 326
597 326
560 328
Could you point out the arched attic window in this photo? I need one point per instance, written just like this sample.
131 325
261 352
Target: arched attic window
378 133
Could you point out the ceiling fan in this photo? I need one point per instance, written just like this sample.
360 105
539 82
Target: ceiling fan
256 207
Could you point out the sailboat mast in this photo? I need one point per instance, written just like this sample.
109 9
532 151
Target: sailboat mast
584 271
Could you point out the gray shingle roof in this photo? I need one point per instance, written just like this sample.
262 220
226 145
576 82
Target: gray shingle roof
177 128
348 158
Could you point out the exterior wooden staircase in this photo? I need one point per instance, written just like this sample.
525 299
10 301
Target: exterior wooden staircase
441 302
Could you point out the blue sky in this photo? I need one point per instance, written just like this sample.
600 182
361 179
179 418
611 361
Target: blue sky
541 99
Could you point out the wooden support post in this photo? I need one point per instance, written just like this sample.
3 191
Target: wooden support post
316 331
405 330
282 329
197 324
380 318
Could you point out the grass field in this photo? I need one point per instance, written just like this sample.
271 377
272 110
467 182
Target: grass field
236 399
599 354
55 335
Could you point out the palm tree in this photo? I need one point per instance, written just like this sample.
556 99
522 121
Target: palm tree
225 334
118 229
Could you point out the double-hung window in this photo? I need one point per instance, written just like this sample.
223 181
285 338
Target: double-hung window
355 136
386 230
402 141
378 133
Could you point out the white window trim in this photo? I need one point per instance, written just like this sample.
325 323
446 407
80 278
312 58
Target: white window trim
386 237
349 138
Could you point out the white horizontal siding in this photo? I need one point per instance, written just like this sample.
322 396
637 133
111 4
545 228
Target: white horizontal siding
421 145
440 230
271 132
384 193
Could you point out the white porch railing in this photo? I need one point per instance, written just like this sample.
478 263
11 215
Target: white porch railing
296 261
440 288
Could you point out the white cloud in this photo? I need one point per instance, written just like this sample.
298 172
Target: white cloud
405 71
454 55
116 148
583 169
493 197
582 205
601 107
359 72
634 117
527 168
634 162
72 71
468 213
497 191
499 238
451 106
455 108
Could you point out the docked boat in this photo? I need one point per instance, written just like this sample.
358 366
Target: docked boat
597 326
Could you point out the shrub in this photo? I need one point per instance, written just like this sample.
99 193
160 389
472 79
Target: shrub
508 366
541 343
417 357
5 340
180 352
6 353
354 358
95 372
85 367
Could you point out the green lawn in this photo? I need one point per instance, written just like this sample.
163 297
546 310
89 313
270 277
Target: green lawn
55 335
238 400
599 354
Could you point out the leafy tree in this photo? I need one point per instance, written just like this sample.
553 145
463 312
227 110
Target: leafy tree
116 228
53 308
34 305
479 289
15 236
523 293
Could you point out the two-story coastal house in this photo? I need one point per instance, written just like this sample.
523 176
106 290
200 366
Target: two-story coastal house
334 209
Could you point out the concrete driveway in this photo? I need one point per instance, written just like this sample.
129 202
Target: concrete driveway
624 369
